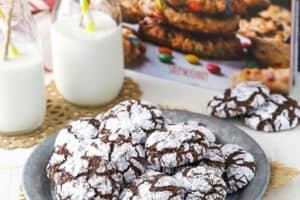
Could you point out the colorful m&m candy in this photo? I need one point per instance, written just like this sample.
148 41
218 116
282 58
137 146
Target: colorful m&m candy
165 58
193 59
194 6
213 68
165 50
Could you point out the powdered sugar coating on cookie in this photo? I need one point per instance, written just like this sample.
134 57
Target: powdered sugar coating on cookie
200 127
279 113
132 115
239 100
175 146
165 170
98 180
154 186
83 175
214 160
66 156
77 135
240 167
201 184
127 156
86 128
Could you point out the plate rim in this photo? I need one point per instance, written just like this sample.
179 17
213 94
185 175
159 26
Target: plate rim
228 123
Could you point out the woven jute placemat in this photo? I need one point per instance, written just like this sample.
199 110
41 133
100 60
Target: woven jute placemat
60 112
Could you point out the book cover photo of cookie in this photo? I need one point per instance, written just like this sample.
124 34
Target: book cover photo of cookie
212 44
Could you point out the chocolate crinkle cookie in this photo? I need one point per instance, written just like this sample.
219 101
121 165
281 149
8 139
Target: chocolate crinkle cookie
84 175
240 167
166 170
214 160
175 146
201 184
127 156
132 114
85 128
76 135
154 186
191 124
69 152
74 138
242 99
279 113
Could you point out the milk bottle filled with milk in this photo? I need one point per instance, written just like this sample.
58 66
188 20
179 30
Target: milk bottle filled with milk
22 87
87 52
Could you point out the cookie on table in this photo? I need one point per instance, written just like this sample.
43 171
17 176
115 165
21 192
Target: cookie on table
134 47
279 113
214 160
220 47
209 7
201 184
277 79
175 146
132 115
240 167
240 100
154 186
130 11
191 22
83 175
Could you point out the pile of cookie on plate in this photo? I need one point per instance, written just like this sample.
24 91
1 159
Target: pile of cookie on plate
131 152
259 109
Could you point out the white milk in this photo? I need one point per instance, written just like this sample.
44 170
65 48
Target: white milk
22 91
88 66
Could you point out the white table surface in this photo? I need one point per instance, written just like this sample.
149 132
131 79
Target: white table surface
282 147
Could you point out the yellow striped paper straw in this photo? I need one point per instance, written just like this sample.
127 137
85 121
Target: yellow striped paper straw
90 26
13 49
1 14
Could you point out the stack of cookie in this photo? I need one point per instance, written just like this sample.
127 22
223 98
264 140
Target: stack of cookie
130 11
270 34
134 48
260 110
202 27
130 152
253 6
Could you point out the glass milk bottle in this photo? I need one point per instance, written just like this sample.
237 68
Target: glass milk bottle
87 52
22 88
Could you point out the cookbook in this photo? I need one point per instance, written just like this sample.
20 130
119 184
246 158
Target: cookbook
215 44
